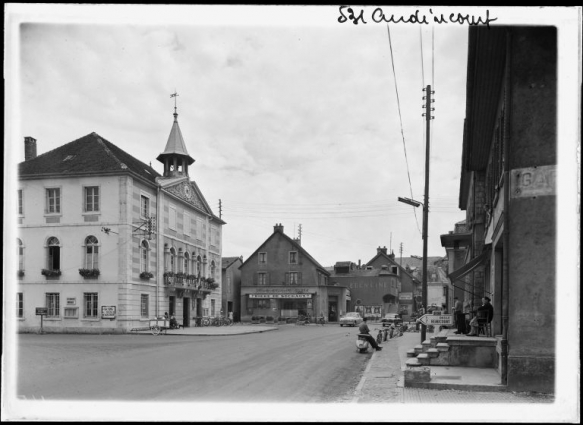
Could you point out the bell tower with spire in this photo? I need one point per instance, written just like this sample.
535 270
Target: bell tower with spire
175 157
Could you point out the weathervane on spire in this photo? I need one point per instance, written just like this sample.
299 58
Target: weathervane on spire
174 95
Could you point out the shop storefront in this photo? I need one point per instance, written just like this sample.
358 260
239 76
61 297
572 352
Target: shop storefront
283 303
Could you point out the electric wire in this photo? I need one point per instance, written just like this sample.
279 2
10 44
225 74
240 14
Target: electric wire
401 122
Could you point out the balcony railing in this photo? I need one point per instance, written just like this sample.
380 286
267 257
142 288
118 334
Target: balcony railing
188 281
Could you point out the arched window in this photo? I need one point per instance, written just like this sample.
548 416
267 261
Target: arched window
144 248
53 254
198 266
20 254
180 263
213 269
172 260
91 253
186 263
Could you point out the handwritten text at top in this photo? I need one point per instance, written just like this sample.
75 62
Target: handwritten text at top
378 15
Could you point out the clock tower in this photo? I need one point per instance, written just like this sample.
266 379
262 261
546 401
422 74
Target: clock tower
175 157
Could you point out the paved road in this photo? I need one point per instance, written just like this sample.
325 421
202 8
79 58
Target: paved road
292 364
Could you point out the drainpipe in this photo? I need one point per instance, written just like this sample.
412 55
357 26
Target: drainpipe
159 248
506 236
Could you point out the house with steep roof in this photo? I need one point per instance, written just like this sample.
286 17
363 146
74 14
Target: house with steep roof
106 243
282 280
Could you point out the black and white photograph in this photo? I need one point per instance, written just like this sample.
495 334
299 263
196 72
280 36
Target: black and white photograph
275 213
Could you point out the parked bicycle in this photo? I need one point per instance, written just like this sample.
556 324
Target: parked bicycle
303 320
321 320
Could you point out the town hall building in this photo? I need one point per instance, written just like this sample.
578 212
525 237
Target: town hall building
105 243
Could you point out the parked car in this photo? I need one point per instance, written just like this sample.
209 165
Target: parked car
391 318
351 319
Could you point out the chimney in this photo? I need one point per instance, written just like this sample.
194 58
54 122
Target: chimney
359 266
298 241
384 250
29 148
278 228
379 250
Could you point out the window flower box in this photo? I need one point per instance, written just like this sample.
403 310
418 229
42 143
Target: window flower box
212 284
51 274
89 273
146 275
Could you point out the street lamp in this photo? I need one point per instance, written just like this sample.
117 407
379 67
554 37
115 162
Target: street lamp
424 281
409 201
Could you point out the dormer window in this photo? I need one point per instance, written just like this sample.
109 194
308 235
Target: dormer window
394 270
293 257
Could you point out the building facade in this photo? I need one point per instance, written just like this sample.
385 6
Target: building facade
282 280
105 242
508 191
231 286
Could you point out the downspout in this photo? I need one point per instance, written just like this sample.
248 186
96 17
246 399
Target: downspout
160 247
506 235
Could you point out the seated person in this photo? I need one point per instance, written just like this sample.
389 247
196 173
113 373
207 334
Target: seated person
363 329
173 322
486 306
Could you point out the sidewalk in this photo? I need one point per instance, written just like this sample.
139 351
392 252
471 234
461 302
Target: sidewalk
383 380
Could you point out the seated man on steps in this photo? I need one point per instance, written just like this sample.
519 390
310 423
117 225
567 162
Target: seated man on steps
486 306
363 329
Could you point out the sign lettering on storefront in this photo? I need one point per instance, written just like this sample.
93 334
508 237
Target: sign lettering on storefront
533 181
372 285
281 290
280 295
406 296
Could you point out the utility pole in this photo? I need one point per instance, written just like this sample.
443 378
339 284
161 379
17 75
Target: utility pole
220 209
300 233
428 118
401 251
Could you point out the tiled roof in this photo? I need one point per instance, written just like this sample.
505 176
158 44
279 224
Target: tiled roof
228 261
91 154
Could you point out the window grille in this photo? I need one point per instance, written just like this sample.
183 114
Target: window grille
53 304
90 301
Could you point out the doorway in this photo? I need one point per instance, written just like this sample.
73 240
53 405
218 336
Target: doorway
332 311
185 312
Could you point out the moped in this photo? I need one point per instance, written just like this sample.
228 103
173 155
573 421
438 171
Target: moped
362 343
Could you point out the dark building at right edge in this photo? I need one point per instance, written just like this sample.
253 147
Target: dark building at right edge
507 188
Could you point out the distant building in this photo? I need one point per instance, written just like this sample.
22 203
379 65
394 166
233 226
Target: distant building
282 280
105 242
231 285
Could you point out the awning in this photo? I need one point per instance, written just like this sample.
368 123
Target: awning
465 269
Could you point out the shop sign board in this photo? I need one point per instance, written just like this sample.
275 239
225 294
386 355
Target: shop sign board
533 181
280 295
406 296
436 320
108 312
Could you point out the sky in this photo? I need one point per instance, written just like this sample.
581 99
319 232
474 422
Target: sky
309 123
292 117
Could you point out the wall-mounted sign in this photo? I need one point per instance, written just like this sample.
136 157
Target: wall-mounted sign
406 296
71 301
281 290
533 181
441 320
280 295
108 312
41 311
